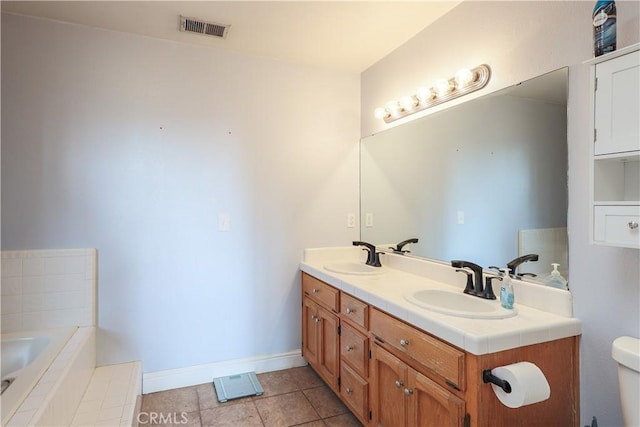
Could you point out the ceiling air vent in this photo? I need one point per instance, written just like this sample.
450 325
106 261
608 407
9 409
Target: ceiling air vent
193 25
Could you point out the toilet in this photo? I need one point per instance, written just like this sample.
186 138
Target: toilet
626 351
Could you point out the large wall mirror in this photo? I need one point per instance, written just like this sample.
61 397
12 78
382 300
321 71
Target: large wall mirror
484 181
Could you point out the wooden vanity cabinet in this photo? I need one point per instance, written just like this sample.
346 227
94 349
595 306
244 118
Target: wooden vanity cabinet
390 373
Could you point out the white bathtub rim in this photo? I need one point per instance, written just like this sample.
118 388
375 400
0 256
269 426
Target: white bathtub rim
17 392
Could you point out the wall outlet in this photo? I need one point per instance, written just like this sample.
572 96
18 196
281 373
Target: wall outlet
368 220
351 220
460 217
224 222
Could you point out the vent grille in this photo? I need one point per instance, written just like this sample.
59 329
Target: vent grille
193 25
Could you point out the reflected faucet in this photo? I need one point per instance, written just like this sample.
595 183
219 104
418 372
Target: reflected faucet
399 246
513 264
477 288
373 257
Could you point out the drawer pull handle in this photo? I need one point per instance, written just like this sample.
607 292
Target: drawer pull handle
315 318
632 225
404 343
349 311
408 391
348 390
349 347
314 291
399 383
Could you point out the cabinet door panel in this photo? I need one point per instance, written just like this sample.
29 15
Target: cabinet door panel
310 338
617 105
329 352
388 380
430 405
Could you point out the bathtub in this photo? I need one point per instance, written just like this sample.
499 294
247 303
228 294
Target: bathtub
25 357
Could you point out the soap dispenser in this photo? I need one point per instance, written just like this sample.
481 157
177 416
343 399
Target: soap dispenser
555 279
506 291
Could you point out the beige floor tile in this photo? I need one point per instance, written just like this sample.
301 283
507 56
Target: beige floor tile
344 420
178 400
325 402
318 423
277 382
286 410
305 377
239 415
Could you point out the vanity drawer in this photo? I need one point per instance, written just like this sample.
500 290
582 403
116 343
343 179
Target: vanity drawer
440 358
321 292
617 225
354 310
355 391
354 349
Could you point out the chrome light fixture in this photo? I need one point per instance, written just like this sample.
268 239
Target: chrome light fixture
464 81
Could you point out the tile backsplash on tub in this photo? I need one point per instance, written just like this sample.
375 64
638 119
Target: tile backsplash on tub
44 289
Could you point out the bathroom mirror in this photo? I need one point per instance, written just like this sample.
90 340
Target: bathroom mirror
484 181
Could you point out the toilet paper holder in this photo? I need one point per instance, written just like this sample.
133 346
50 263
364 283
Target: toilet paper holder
488 377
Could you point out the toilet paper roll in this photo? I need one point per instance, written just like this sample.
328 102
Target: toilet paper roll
528 384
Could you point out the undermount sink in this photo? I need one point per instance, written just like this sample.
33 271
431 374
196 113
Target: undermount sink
459 304
351 267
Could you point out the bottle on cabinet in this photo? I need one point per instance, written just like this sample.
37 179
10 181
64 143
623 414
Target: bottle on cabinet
604 27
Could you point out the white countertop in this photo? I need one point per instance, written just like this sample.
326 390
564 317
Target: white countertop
544 314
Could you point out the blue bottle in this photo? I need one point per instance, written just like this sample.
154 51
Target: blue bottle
604 27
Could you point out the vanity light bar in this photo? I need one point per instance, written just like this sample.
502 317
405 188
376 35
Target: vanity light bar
465 81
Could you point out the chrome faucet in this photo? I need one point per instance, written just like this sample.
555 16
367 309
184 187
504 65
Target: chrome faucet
399 246
373 257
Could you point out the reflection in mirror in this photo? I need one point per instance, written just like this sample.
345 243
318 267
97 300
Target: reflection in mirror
484 181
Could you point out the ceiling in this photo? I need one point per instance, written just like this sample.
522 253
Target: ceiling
345 35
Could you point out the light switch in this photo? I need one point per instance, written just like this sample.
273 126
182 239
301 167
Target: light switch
351 220
460 217
368 220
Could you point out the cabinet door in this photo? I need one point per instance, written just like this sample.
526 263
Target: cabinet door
310 338
430 405
617 105
388 380
329 351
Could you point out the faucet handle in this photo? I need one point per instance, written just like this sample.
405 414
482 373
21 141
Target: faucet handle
468 289
488 288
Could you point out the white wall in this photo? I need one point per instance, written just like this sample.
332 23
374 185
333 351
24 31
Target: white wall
134 145
520 40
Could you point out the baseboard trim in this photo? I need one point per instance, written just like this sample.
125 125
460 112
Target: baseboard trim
199 374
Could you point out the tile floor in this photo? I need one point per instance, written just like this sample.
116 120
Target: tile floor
292 397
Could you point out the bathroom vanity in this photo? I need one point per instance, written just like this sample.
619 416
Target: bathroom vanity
394 363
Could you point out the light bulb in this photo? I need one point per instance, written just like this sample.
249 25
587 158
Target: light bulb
424 94
463 77
393 108
442 86
408 102
379 113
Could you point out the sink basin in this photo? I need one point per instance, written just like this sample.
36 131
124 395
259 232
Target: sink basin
350 267
459 304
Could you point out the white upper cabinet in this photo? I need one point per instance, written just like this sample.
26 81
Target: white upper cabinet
615 165
617 105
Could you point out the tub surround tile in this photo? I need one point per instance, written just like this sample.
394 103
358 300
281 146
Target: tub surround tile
57 288
111 396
